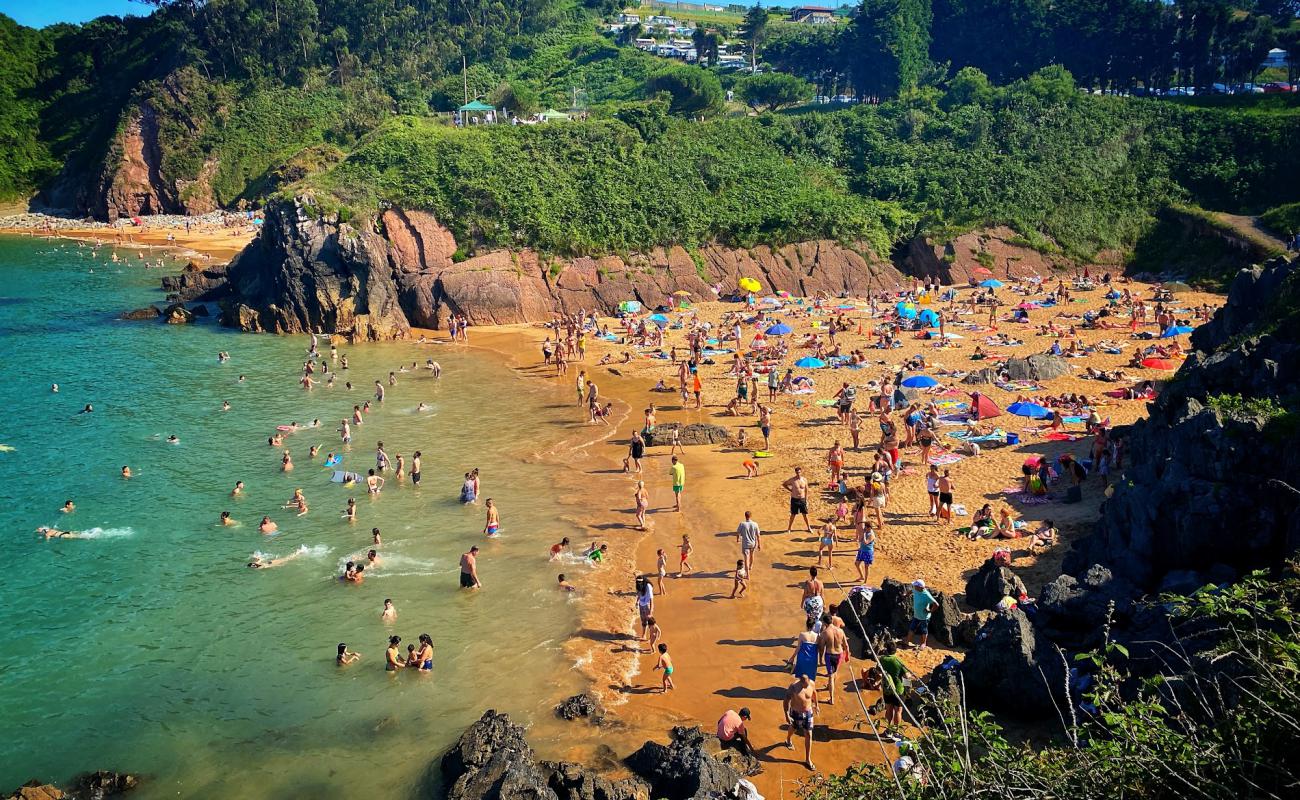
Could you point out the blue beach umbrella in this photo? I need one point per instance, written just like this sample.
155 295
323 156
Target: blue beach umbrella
929 318
659 319
992 283
1031 410
809 361
1175 330
779 329
919 382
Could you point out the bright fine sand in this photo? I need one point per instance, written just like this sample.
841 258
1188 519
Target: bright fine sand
213 244
729 653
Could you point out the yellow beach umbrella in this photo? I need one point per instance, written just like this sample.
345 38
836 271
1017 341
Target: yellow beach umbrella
750 285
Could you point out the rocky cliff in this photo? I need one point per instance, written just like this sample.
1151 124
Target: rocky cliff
999 250
379 279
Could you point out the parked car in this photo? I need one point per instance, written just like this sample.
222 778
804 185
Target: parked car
843 98
1278 87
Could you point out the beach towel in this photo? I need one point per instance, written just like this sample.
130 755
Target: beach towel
1057 436
945 459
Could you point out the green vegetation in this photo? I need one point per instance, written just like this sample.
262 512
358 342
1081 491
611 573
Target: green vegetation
1282 220
1245 408
769 91
603 186
1218 726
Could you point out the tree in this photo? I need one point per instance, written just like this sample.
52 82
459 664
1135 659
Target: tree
772 90
693 91
756 32
889 46
968 86
707 44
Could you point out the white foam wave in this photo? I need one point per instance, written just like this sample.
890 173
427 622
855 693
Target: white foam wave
107 533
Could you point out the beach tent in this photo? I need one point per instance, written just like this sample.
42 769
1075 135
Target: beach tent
809 361
983 408
750 285
919 382
1031 410
474 107
629 306
551 115
1175 330
779 329
929 318
1159 363
992 283
906 310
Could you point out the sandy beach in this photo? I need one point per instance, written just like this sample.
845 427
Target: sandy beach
214 244
729 653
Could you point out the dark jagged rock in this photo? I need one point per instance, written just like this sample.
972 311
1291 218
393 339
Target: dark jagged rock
580 705
947 618
197 282
682 769
1013 670
967 632
693 434
1073 604
571 781
891 606
177 314
100 784
990 583
1036 368
1190 467
148 312
200 311
492 759
981 376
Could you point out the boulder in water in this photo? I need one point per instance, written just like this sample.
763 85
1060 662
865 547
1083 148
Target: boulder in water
493 760
148 312
580 705
177 314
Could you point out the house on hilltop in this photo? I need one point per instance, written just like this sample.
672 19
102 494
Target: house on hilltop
812 15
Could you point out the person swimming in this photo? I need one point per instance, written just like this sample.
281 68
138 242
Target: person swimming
55 533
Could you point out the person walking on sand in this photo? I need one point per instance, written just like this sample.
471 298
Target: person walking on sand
813 601
750 538
800 706
661 571
797 486
866 551
469 569
740 582
765 424
945 486
642 499
826 544
835 462
832 650
665 663
678 473
684 568
645 604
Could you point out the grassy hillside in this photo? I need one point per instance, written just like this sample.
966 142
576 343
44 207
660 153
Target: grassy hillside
1067 170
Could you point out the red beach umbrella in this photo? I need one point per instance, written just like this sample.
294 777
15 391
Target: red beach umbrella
1159 363
982 271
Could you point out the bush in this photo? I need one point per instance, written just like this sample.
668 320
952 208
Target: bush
694 91
772 90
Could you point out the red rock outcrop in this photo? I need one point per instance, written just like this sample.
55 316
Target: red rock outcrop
1000 250
325 276
133 185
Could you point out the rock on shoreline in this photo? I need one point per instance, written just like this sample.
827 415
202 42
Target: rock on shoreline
492 760
89 786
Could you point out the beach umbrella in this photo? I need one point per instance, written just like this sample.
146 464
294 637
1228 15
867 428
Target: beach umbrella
1159 363
991 283
783 293
809 361
1028 306
1031 410
929 318
659 319
750 285
1175 330
681 293
629 306
1176 287
982 271
779 329
919 382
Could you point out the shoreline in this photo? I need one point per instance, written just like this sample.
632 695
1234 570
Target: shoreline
728 652
215 244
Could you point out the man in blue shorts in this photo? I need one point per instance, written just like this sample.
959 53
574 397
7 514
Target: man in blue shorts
923 605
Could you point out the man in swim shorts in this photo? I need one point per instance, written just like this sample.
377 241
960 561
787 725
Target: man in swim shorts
832 649
751 538
469 569
678 473
800 706
415 469
797 486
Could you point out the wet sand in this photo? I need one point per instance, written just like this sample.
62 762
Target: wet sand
211 244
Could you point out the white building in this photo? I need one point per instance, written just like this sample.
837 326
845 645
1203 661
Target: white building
629 19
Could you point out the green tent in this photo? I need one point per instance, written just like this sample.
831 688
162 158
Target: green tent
551 114
476 106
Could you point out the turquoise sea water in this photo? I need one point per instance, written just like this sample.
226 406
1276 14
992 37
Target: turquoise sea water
153 649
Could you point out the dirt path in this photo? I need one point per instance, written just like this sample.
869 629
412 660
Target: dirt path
1252 231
